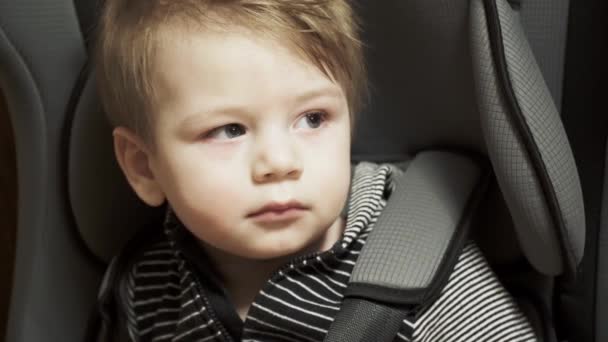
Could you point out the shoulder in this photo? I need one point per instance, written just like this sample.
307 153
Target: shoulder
147 250
148 258
379 176
473 306
145 244
148 245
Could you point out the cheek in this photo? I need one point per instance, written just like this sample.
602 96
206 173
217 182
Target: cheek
329 162
332 149
206 188
209 203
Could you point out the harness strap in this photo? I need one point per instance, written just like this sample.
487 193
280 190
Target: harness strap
414 245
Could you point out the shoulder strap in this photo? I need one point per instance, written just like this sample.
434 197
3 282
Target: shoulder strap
415 243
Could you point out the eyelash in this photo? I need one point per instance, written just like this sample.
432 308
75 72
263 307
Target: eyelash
323 115
212 132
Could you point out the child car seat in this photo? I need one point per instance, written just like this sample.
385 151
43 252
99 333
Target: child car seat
455 75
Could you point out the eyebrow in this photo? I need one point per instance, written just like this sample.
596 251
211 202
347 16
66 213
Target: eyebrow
326 91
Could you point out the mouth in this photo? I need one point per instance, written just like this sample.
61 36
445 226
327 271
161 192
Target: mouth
275 211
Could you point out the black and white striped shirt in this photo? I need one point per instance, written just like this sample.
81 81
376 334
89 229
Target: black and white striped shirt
173 294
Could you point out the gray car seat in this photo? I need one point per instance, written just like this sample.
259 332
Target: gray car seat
455 75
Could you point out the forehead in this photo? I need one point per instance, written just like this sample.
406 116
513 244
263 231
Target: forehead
199 69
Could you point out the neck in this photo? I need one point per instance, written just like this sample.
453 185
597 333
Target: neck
244 277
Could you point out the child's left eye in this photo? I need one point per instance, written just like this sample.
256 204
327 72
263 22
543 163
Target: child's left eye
312 120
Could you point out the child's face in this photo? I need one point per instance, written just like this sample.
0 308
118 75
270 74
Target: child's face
244 122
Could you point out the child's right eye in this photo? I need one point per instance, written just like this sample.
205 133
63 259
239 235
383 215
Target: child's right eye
229 131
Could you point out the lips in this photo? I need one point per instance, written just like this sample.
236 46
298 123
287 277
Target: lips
276 210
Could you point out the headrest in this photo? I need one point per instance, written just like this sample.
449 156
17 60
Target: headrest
526 141
445 74
106 210
437 80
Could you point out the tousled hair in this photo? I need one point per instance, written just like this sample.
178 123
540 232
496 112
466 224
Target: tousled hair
324 32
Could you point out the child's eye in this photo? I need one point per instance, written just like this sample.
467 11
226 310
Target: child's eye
229 131
312 120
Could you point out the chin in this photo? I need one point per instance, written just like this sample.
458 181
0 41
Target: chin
286 243
277 251
280 253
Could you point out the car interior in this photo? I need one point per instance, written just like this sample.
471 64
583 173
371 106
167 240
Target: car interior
516 84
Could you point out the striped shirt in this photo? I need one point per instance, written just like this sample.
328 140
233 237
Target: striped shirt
174 295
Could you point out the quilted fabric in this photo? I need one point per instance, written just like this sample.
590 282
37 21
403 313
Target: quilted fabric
418 221
545 23
512 161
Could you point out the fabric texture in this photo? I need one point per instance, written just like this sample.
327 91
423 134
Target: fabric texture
419 222
532 169
173 294
545 23
547 131
375 322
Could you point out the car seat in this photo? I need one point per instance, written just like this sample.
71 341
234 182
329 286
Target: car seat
455 75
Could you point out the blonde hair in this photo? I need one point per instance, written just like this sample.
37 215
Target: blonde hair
324 32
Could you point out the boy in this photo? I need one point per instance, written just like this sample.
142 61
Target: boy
238 116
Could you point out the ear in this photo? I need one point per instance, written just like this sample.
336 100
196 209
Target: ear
135 161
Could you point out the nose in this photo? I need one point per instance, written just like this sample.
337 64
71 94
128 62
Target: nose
276 159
